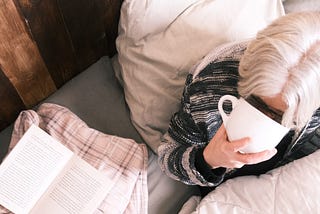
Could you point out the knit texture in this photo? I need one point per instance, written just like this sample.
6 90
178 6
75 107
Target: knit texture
198 120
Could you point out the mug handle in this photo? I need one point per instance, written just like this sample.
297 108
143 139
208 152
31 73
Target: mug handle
234 100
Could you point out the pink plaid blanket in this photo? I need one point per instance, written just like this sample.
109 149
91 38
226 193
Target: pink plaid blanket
123 160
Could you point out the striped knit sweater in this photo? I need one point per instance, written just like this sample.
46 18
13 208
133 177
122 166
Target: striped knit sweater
197 121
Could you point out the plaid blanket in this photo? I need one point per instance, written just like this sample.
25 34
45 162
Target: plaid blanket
123 160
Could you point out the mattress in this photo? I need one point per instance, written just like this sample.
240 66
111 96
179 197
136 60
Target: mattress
97 98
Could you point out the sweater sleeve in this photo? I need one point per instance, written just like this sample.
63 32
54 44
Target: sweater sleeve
181 163
211 175
180 153
198 119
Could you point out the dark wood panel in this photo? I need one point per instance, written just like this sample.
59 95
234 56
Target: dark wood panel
44 43
47 27
20 59
85 23
71 34
10 102
111 18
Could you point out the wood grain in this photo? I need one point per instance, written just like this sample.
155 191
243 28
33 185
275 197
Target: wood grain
46 24
20 59
45 43
73 34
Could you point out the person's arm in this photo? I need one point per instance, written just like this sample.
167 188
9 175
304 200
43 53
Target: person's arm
181 151
195 150
185 162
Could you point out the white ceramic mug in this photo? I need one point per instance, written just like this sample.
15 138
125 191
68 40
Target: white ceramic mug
247 121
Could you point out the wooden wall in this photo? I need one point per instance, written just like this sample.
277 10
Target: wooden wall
44 43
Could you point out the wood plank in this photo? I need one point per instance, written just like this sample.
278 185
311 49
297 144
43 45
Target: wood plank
73 34
111 18
92 26
20 59
86 28
48 29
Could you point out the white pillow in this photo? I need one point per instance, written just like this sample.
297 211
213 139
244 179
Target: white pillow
293 188
142 17
154 61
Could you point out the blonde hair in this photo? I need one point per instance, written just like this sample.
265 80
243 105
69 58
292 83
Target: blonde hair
285 59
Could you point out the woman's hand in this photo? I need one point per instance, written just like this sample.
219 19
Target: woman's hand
222 153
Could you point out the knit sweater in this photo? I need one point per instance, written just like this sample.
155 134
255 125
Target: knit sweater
198 119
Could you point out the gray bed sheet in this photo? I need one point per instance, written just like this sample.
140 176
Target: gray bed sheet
97 98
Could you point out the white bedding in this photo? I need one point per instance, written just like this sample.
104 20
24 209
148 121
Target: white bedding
293 188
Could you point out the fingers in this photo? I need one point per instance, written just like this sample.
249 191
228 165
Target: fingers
237 145
240 159
254 158
220 152
249 158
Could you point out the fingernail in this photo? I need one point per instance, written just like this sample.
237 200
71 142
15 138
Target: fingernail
273 151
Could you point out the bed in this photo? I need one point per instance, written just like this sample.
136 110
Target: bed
121 65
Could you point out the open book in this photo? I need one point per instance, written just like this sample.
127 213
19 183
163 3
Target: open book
40 175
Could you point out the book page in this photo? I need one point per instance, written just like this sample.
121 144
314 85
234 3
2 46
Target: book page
80 189
28 170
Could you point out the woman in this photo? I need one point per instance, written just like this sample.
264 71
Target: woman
279 73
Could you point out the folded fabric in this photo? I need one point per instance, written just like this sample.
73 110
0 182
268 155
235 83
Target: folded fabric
122 160
292 188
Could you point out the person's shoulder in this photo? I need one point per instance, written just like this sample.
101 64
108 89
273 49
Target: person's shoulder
231 52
